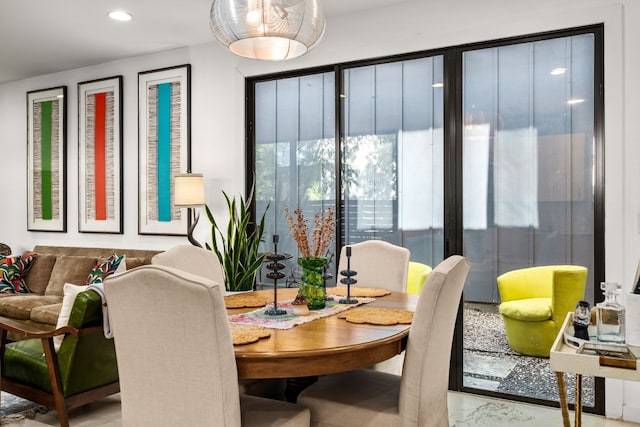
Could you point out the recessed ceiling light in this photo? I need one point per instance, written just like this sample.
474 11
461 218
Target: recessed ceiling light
120 15
438 84
575 101
558 71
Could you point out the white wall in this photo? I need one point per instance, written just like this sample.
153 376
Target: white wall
218 102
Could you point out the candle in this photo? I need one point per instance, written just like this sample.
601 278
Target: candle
276 238
348 250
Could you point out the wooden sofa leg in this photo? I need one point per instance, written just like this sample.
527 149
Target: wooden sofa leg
56 382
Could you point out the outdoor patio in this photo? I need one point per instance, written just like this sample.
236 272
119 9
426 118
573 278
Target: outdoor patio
489 363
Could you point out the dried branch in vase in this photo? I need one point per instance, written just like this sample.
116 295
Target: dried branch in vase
322 235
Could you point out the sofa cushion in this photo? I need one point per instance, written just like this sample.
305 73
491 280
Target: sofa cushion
20 306
104 269
131 262
46 313
13 270
37 277
69 269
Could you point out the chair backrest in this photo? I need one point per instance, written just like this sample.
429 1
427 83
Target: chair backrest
425 376
192 259
174 349
416 277
379 264
97 353
564 284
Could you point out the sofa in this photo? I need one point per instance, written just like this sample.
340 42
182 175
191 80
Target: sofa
52 268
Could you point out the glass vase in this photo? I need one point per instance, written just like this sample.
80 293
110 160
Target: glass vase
311 283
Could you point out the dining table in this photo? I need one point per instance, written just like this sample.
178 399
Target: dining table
323 346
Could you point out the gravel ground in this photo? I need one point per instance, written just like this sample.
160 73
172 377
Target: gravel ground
484 334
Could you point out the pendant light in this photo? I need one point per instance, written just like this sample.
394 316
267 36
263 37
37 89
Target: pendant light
267 29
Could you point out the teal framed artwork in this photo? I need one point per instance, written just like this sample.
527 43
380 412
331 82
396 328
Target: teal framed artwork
164 147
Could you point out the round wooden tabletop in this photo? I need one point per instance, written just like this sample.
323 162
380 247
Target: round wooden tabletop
323 346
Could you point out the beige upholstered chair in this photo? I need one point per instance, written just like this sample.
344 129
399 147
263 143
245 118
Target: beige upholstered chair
418 398
192 259
379 265
175 355
203 262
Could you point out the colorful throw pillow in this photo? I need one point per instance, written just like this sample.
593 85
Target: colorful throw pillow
104 269
13 270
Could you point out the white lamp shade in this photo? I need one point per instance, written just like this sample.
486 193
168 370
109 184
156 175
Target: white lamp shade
267 29
189 190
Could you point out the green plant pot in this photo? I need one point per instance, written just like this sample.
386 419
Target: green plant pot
311 283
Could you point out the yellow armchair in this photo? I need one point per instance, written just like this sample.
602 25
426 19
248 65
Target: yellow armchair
535 302
416 277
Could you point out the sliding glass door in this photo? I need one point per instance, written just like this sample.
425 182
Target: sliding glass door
490 150
529 184
391 153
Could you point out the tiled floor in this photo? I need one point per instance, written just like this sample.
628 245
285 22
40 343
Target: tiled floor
465 410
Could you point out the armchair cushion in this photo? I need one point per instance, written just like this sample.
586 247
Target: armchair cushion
529 309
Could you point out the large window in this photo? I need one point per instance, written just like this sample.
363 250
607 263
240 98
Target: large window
489 150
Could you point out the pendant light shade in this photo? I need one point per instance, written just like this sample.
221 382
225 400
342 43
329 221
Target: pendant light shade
267 29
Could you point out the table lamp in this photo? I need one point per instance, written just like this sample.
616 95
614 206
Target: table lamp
189 193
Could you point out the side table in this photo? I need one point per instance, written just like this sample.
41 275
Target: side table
564 358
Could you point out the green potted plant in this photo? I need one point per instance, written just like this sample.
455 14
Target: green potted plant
238 247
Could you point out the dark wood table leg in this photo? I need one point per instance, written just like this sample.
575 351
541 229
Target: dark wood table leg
296 385
564 405
578 411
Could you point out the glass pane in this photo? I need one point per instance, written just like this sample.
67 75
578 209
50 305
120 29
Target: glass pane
528 179
295 154
392 156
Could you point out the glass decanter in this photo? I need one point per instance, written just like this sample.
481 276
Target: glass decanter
610 315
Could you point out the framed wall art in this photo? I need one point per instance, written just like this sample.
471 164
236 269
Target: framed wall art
164 147
46 159
100 156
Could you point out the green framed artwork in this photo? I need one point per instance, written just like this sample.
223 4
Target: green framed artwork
100 184
46 159
164 151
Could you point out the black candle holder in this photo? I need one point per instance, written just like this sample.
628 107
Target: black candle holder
275 266
326 276
348 279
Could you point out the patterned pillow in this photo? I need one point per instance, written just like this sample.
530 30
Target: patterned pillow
104 269
13 270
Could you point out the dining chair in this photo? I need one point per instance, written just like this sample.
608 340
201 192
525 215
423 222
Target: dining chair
175 355
205 263
379 264
193 259
419 396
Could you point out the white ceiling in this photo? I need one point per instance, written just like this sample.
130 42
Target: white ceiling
39 37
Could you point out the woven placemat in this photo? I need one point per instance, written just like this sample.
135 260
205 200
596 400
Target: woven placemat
358 291
246 334
377 316
243 300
